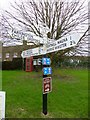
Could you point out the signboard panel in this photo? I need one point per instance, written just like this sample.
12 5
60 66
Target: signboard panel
63 43
46 61
42 50
47 70
2 105
47 85
30 52
33 52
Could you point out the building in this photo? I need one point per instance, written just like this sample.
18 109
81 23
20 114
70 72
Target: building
7 53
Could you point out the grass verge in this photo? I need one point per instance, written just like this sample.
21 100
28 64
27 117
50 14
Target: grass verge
68 99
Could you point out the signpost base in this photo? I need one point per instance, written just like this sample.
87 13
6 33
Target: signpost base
45 104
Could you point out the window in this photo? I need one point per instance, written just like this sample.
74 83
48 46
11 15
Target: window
7 55
15 55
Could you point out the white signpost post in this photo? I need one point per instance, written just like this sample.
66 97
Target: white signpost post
2 105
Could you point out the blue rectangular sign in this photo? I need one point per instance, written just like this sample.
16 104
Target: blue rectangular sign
47 70
46 61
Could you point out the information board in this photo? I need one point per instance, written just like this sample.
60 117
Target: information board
46 61
47 70
2 105
47 85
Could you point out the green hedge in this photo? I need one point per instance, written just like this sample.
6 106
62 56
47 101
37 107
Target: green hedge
15 64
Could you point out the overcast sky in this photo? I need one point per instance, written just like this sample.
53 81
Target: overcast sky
4 4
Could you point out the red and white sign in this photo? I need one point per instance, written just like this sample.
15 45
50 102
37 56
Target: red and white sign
47 85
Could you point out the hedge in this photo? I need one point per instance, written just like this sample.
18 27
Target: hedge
15 64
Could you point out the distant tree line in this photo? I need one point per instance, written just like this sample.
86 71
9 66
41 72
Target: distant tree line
57 62
73 62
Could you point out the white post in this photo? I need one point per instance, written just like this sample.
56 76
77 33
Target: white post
2 105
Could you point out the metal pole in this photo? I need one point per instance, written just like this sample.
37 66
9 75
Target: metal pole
44 97
45 104
22 63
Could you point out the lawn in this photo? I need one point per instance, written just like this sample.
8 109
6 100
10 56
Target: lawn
68 99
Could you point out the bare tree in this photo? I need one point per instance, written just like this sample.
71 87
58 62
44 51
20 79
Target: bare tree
61 17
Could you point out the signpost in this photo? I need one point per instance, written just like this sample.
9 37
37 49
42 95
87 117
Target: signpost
60 44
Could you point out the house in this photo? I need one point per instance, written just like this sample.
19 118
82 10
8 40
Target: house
7 53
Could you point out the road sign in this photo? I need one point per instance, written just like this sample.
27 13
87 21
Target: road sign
39 61
47 70
46 61
47 85
63 43
30 52
34 52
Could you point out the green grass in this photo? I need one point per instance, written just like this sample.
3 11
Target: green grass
68 99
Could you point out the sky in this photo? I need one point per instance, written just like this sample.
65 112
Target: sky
4 4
